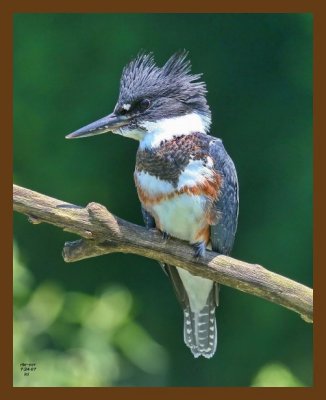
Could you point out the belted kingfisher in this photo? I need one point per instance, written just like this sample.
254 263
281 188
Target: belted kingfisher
186 182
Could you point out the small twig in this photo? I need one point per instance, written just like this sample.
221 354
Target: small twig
106 233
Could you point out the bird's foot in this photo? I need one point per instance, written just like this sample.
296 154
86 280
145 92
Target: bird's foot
200 248
165 236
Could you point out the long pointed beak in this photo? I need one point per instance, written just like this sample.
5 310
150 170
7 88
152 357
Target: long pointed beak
109 123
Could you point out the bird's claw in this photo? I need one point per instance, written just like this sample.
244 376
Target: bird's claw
165 236
200 249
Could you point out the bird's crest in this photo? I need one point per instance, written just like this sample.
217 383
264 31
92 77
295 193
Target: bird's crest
142 77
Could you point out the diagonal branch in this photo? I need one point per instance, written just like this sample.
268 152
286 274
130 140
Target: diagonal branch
104 233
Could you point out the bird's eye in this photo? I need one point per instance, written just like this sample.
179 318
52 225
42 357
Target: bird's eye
123 111
144 104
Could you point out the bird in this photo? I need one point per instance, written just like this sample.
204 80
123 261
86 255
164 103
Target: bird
186 182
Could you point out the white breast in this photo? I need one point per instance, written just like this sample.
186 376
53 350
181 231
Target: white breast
182 216
152 185
196 173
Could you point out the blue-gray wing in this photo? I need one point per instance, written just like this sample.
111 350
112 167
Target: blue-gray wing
227 205
148 219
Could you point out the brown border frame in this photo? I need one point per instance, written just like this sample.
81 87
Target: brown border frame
7 9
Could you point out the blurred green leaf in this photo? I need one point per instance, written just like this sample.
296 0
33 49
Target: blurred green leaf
72 337
276 374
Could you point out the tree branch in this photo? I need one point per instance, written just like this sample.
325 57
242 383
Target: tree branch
104 233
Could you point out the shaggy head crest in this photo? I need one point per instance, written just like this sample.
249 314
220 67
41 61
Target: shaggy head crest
142 78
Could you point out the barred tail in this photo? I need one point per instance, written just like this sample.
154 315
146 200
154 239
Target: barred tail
200 332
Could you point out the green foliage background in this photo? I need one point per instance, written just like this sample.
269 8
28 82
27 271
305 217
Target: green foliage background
114 320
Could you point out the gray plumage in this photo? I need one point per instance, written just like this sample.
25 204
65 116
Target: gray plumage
171 89
227 206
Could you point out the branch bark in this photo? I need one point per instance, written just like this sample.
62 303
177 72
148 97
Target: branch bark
104 233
